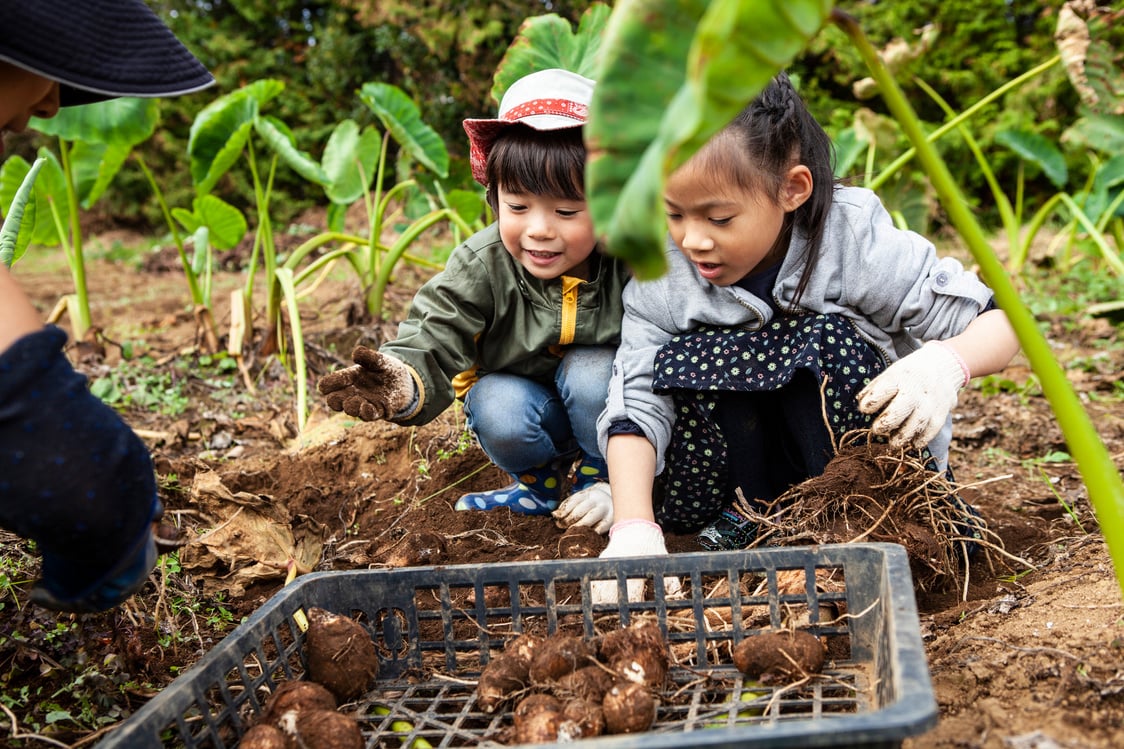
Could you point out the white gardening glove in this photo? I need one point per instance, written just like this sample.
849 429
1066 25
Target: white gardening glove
591 507
915 394
633 538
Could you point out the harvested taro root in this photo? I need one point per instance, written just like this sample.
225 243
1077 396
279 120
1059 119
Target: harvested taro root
637 653
263 736
559 656
340 654
297 695
575 688
323 729
779 657
508 674
629 708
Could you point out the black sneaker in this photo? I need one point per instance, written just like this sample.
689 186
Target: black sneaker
730 530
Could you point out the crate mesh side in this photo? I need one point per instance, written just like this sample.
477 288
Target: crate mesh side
436 628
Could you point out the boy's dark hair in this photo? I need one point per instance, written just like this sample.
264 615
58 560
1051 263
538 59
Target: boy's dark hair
776 132
539 162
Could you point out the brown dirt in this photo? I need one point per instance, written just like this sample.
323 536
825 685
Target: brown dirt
1031 658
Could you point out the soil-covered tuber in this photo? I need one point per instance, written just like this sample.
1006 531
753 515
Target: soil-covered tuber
629 708
340 654
323 729
297 695
263 736
779 657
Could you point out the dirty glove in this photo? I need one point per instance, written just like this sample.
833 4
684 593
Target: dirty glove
377 387
915 394
591 507
633 538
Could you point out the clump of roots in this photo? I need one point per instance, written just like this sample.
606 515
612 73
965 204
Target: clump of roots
876 493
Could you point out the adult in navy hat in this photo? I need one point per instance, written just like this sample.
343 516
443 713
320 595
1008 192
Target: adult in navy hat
73 476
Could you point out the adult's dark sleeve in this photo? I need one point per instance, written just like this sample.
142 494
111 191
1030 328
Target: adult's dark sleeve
73 476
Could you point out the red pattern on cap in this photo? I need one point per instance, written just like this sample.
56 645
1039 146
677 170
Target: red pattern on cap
560 107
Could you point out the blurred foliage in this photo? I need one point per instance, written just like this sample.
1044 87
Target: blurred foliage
443 53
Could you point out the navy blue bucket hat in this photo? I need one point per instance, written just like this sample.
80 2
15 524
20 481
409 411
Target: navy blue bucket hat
98 49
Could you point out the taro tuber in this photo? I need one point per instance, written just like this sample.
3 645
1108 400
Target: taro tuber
537 718
637 653
340 654
297 695
629 708
559 656
779 657
503 677
581 719
323 729
588 683
263 736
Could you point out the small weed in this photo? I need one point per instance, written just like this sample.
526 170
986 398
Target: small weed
995 384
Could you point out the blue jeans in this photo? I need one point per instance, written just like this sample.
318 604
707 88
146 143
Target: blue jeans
522 424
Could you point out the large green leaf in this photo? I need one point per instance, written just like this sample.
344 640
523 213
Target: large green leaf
400 116
349 161
221 129
548 41
225 223
1038 150
19 217
94 166
122 121
671 75
281 141
50 188
1100 132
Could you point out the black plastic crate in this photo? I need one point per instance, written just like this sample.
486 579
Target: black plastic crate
435 628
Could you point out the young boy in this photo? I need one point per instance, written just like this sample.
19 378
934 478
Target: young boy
523 322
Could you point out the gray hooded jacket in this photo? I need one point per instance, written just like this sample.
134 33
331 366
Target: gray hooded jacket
888 281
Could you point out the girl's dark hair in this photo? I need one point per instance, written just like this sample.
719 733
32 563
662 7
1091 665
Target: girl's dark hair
539 162
774 133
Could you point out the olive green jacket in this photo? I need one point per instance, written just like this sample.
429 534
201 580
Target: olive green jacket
484 313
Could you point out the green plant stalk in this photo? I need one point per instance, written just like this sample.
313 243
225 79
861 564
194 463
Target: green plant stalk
902 160
1106 490
192 282
378 291
374 216
1098 239
10 230
77 261
1012 217
285 280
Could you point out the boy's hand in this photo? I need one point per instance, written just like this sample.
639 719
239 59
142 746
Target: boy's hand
915 394
377 387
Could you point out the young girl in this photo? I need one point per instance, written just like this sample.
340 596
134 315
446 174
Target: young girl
522 323
788 303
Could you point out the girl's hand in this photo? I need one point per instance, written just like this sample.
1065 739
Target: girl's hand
592 507
915 394
633 538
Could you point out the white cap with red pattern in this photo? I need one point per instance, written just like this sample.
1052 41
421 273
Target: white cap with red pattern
545 100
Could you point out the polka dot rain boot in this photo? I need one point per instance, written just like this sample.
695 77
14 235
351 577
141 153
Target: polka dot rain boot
589 471
536 491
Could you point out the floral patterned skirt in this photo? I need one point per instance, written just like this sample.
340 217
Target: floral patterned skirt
757 404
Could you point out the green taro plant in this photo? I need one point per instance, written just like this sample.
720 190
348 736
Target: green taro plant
671 74
93 143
